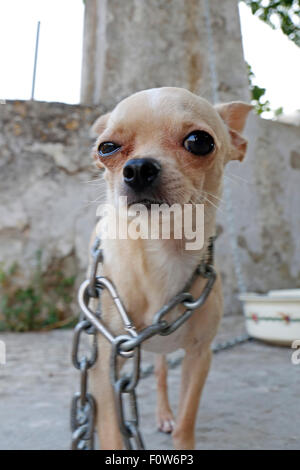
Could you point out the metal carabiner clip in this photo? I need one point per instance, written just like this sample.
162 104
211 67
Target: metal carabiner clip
83 300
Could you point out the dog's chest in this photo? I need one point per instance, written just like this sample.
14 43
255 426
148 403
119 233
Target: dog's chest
146 284
166 344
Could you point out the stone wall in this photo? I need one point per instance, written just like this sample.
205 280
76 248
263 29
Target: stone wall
45 195
46 200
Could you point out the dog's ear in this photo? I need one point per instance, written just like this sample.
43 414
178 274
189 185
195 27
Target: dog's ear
100 124
234 115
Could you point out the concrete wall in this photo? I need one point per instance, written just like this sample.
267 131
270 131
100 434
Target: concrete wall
46 198
136 44
266 199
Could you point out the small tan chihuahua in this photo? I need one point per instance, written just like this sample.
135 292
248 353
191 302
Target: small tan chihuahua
163 146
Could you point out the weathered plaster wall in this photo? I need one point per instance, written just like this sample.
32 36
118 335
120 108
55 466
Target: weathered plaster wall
45 167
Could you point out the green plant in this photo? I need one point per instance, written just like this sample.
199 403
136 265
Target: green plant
279 14
40 305
283 14
258 100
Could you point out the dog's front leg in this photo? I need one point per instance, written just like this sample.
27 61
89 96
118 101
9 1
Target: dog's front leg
195 368
164 415
107 424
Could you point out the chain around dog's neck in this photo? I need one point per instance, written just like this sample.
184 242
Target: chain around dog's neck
207 260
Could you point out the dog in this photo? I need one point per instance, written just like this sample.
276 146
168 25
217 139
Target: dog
163 146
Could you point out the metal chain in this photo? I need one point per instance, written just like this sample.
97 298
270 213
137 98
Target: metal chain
127 345
83 406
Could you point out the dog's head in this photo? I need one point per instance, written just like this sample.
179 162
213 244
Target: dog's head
167 145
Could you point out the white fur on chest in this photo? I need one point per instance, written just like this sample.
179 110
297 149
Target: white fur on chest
171 268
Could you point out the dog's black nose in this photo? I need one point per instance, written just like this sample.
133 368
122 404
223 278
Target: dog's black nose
139 173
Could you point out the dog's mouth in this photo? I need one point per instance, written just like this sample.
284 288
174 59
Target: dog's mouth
147 202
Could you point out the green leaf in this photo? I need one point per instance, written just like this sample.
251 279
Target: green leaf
283 12
257 92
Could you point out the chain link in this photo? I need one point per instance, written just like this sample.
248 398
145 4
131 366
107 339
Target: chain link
124 387
83 406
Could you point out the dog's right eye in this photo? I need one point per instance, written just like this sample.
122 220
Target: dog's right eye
107 148
199 143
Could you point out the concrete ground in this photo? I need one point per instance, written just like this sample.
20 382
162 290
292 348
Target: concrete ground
251 399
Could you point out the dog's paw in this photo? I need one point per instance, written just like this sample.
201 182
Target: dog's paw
166 423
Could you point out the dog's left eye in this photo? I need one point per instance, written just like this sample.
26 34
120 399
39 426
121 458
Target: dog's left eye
199 143
107 148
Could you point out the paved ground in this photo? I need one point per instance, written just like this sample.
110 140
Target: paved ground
251 400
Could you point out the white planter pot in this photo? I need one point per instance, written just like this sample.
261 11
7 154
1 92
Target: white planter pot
274 317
